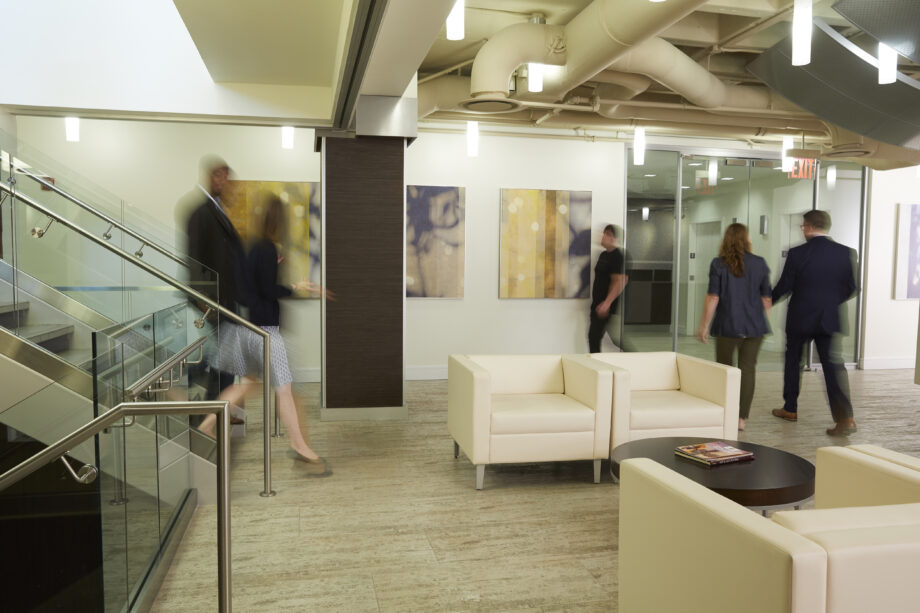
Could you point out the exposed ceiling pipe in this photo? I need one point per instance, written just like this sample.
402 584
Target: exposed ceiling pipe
515 45
622 85
715 129
591 40
658 59
705 117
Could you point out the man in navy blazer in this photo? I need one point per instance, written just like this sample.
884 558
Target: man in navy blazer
820 277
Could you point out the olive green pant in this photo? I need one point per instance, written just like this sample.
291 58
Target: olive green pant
747 348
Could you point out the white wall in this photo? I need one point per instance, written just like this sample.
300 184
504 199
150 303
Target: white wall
133 57
890 337
151 165
480 322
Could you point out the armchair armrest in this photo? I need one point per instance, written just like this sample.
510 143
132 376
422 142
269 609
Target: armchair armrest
849 478
590 382
714 382
469 407
682 544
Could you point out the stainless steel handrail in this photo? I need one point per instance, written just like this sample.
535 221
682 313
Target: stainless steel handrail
146 241
137 388
266 338
222 409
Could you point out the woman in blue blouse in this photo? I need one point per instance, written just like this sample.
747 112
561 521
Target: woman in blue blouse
736 305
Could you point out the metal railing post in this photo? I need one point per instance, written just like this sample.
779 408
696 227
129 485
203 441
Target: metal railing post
267 415
223 512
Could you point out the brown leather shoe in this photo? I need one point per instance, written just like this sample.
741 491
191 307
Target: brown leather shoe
787 415
843 428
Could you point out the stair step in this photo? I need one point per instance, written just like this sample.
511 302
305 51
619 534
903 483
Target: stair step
9 307
42 333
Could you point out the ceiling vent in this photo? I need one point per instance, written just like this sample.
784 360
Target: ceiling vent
495 105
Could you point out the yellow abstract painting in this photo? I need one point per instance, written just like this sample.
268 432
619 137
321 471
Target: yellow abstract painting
545 244
299 247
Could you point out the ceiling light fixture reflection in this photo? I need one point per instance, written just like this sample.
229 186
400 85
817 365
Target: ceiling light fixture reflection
472 139
713 172
72 129
534 77
455 25
695 164
728 178
287 137
639 146
685 187
801 32
887 64
787 161
650 175
832 176
645 213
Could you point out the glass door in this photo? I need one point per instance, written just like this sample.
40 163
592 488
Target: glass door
840 193
650 245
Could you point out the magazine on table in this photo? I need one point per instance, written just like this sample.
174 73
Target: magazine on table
713 453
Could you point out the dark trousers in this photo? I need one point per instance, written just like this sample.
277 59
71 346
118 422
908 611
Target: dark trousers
835 375
747 349
610 325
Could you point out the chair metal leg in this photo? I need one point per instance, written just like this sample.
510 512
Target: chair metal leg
456 450
597 471
480 475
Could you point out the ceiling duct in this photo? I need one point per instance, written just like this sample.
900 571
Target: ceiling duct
585 47
893 22
841 86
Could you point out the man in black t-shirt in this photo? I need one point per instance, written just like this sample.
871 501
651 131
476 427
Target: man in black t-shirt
609 281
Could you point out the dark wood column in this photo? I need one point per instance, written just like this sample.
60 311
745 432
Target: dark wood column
364 243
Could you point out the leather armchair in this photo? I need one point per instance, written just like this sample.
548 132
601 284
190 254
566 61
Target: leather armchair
528 408
684 546
671 394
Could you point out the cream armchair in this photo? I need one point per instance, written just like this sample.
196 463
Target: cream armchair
528 408
671 394
683 546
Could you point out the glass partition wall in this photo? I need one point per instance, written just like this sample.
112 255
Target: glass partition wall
678 206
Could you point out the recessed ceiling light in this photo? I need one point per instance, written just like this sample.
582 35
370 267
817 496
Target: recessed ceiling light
685 187
695 164
650 175
728 178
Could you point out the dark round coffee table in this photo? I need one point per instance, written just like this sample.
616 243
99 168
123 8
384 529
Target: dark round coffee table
773 478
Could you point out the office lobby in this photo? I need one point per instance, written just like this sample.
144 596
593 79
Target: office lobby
406 159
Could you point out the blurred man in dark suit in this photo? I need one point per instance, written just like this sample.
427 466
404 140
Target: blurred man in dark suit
820 277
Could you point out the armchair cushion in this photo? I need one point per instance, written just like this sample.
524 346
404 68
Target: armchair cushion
673 409
523 374
848 478
655 370
539 413
811 521
901 459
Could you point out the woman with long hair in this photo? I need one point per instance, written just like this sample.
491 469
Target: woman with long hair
736 306
263 293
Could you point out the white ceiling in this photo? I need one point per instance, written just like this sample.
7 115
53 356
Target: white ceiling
277 42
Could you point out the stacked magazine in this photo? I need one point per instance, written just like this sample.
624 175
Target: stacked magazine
713 453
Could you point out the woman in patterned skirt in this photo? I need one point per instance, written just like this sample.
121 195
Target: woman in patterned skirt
263 292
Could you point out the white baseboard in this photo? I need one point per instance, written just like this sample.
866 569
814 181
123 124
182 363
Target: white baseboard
413 373
886 363
426 373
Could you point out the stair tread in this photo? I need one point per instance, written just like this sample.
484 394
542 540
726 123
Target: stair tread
39 333
9 307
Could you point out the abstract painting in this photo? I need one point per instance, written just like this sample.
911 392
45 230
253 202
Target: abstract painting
545 244
300 245
907 263
435 241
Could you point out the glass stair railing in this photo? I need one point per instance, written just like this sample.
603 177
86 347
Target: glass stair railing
96 285
80 541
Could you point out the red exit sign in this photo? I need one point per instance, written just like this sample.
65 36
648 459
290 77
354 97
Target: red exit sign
802 168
